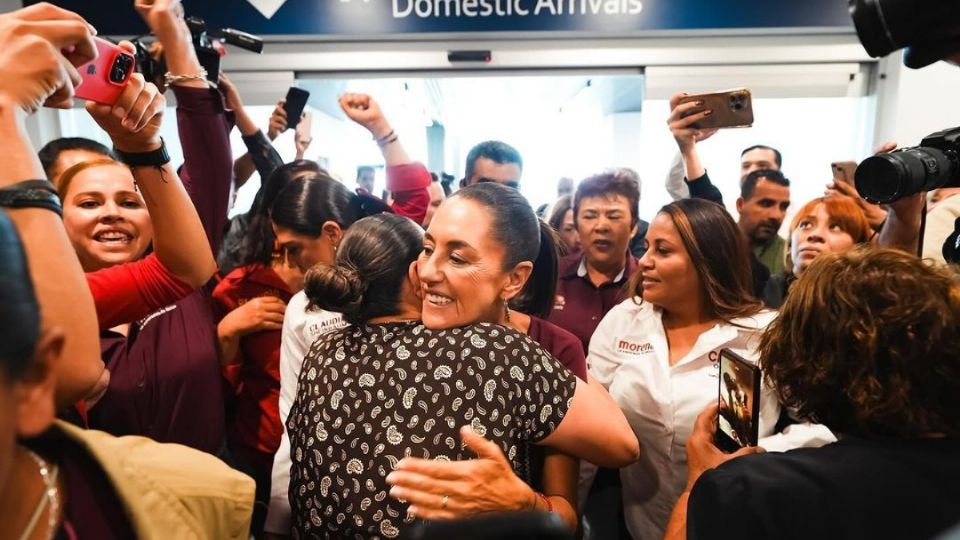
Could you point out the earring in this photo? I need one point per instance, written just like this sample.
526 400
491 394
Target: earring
506 310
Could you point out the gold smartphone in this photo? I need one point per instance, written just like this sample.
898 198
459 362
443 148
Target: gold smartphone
731 109
844 171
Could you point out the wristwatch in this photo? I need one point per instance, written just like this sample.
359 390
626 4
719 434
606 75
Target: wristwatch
153 158
31 194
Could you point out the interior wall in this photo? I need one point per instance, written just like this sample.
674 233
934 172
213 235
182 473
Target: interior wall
922 101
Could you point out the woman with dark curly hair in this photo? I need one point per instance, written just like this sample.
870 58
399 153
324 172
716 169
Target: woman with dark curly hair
867 343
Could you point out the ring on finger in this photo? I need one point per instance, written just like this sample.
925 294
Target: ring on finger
443 503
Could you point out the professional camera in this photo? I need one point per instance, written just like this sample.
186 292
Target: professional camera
934 164
929 29
208 47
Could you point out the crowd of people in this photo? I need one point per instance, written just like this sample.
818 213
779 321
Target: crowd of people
333 364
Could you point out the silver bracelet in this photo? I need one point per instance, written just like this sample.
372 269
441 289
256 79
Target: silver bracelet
169 78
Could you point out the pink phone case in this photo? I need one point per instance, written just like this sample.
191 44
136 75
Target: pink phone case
105 77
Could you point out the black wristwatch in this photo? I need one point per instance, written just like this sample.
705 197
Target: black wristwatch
31 194
154 158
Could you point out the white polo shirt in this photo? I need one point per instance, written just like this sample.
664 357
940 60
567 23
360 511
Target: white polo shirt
300 329
630 357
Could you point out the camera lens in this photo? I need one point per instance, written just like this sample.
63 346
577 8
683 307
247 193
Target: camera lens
121 66
889 177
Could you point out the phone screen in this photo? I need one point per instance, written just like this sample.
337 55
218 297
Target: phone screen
739 391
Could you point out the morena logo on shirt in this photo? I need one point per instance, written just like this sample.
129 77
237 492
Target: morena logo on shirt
625 346
559 302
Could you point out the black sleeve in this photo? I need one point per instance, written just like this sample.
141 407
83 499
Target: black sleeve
265 156
703 188
720 507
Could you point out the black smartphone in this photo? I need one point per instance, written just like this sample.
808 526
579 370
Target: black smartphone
295 101
738 423
210 61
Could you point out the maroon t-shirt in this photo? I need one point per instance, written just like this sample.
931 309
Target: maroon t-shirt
566 348
165 380
93 507
580 305
563 345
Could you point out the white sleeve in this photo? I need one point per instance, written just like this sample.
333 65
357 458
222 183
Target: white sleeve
940 223
803 435
676 187
602 360
293 348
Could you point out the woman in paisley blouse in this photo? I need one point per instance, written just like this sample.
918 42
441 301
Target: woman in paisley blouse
486 253
387 387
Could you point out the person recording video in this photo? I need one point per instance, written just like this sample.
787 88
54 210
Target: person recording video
929 31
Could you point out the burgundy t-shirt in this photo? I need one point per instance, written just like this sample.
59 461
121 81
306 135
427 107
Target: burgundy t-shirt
563 345
165 380
566 348
580 305
93 507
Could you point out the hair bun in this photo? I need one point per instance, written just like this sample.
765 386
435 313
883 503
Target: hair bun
338 288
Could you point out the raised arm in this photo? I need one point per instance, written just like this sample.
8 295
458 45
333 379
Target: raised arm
261 156
178 239
407 181
202 122
33 71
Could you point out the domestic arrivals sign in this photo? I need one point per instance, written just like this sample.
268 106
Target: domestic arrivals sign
393 18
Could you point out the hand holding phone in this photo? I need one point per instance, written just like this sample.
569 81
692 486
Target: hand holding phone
105 77
729 109
303 135
843 171
738 423
294 104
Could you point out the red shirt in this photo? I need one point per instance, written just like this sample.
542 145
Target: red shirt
408 184
256 375
131 291
580 305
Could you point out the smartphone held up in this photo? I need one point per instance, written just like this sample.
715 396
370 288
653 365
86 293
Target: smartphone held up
104 78
738 423
729 109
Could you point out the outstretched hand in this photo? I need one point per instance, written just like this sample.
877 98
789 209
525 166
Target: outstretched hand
456 489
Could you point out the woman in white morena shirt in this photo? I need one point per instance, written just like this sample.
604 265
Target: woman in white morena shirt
658 352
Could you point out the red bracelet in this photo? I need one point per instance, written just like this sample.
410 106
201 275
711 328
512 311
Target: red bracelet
545 500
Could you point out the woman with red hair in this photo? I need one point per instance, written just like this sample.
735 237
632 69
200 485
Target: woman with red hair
823 225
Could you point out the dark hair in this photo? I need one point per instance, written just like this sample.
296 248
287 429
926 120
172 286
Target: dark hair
51 151
372 261
560 208
445 181
305 204
777 157
498 151
867 343
720 255
749 185
257 244
524 237
19 311
606 184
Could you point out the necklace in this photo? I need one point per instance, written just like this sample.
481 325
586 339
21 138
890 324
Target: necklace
50 498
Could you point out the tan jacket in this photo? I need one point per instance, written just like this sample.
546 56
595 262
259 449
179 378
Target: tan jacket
169 490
